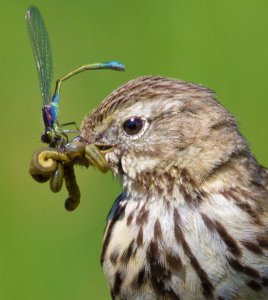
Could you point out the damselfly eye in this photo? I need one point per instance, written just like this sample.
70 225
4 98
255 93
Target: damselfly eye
133 125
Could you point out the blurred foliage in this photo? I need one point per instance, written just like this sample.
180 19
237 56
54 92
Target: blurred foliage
46 252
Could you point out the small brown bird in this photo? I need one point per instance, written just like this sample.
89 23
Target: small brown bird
192 221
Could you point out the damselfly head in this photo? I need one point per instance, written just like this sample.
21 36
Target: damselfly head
52 139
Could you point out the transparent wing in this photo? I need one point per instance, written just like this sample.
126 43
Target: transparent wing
41 49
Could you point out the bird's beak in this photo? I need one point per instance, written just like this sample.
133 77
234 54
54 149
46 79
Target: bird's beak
94 153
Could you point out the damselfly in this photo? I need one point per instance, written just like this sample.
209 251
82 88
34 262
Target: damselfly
53 135
55 163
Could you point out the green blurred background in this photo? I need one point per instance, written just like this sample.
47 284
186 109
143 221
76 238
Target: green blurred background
46 252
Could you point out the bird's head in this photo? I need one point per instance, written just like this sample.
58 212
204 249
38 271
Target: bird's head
154 130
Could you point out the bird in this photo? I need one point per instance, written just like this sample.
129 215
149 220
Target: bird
192 219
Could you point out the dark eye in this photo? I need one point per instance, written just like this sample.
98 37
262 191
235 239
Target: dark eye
133 125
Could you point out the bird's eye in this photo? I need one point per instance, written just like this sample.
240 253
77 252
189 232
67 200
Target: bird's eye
133 125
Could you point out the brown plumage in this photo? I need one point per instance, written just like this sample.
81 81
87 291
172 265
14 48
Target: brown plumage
192 221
